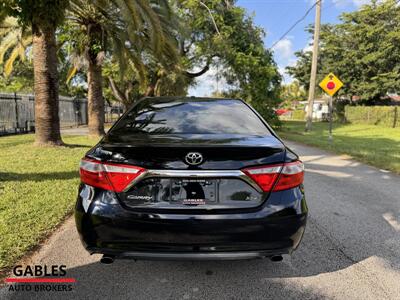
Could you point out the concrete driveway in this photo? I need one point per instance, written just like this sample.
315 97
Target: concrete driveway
351 250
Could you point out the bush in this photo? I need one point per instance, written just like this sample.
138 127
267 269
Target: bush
339 110
268 114
299 115
374 115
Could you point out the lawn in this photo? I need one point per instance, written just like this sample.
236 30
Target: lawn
38 188
374 145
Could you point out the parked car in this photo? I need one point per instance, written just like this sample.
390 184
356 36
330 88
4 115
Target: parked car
191 178
282 111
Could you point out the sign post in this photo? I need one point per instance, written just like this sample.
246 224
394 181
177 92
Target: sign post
331 85
330 117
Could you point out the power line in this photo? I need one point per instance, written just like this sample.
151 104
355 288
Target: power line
296 23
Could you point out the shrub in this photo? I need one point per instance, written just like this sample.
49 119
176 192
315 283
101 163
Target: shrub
299 115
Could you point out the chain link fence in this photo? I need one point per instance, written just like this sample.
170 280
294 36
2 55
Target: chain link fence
387 116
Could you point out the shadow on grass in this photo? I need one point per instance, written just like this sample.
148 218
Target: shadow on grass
76 146
31 143
317 127
37 177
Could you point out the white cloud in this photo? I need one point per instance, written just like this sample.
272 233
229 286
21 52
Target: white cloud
309 46
208 83
286 78
282 70
360 2
292 62
284 56
344 3
283 49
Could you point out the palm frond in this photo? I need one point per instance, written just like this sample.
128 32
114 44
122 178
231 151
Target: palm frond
139 66
9 41
21 52
8 66
71 73
135 29
130 13
14 40
153 20
8 24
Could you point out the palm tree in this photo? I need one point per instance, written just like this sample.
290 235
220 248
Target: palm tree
47 122
292 93
42 17
125 27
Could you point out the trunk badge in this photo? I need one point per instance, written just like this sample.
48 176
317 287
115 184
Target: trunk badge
194 158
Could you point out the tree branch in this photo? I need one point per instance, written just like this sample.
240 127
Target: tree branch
116 91
205 68
197 74
128 90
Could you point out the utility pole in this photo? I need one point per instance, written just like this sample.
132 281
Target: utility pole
313 78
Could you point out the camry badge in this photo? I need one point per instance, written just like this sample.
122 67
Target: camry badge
194 158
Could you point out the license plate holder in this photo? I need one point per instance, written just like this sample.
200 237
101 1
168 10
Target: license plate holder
194 191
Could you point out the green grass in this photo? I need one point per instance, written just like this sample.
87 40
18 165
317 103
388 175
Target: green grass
374 145
38 188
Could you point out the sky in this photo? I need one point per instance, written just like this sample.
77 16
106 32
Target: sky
276 17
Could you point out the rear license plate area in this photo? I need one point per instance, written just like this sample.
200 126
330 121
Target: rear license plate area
194 191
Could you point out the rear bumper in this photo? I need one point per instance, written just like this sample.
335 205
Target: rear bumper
108 228
234 255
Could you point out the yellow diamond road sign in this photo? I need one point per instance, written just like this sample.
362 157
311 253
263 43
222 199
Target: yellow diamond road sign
331 84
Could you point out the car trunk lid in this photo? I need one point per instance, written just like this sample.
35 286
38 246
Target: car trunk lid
219 152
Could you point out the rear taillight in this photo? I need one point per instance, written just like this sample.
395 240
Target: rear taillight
264 176
108 176
290 175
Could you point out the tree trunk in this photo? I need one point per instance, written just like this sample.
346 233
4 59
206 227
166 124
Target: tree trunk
150 90
47 122
95 100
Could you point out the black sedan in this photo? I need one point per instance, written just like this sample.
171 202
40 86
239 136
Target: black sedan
191 178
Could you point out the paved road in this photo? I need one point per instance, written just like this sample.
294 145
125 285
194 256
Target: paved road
351 250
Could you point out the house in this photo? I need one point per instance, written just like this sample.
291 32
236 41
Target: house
320 109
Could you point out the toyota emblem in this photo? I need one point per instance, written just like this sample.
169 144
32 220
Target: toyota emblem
194 158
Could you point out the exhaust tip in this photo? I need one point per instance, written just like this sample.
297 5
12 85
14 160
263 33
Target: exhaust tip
276 258
107 259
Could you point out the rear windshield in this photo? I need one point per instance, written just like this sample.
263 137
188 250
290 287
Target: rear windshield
193 117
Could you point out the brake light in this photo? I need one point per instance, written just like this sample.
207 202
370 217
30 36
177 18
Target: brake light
108 176
264 176
289 175
292 175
